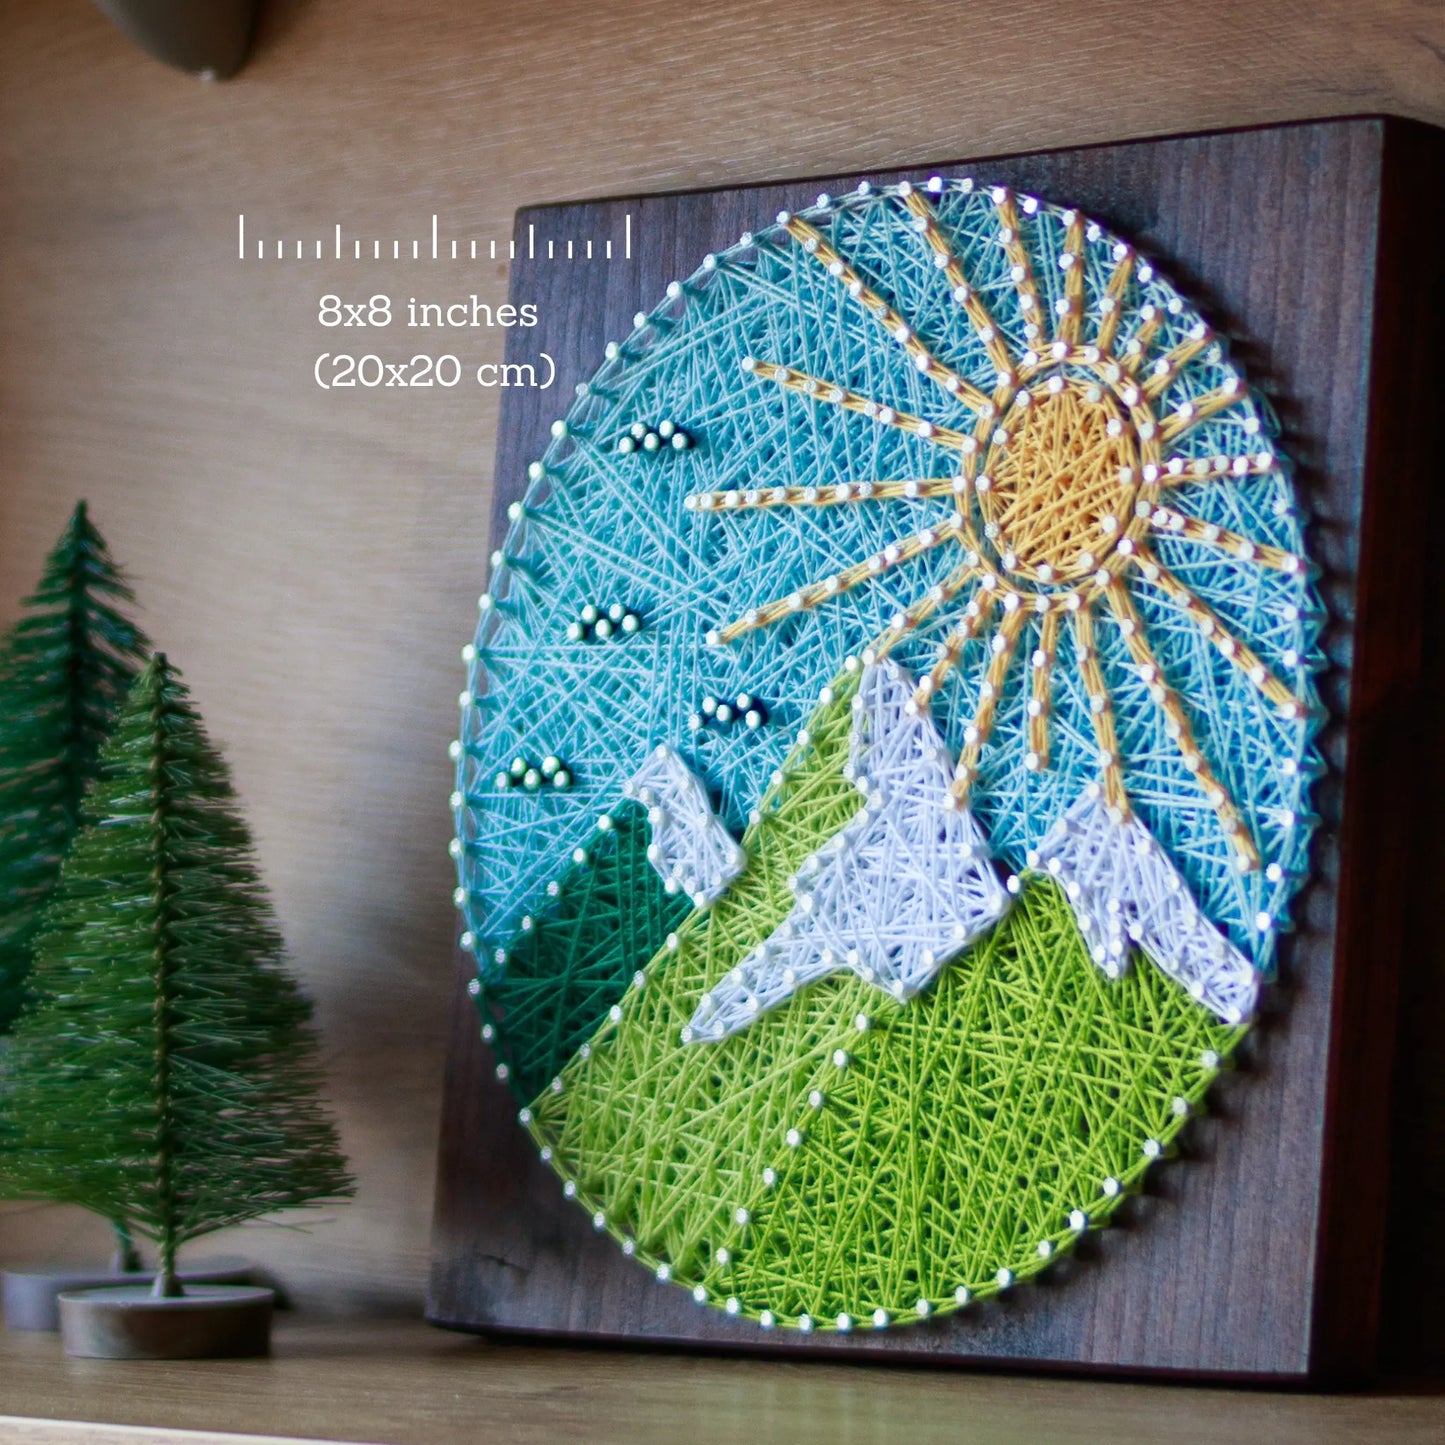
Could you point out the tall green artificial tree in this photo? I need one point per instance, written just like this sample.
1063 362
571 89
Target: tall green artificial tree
65 668
167 1072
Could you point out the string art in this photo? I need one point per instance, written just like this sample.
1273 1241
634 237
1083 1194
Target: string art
884 764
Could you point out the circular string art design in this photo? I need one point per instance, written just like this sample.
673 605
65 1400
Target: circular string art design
885 758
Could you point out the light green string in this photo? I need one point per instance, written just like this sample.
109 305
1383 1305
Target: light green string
956 1139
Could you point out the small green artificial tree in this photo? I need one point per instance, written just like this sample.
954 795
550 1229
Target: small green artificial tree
65 668
166 1072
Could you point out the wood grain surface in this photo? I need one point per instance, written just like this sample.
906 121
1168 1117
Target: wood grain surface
406 1384
311 560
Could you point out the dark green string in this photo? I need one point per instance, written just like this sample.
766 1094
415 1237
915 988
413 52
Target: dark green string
610 915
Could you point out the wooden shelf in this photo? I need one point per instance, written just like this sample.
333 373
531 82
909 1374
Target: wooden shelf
399 1381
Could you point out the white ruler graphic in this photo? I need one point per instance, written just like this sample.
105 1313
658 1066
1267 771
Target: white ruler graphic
340 247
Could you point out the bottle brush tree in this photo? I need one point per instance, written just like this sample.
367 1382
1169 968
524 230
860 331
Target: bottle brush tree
65 668
166 1072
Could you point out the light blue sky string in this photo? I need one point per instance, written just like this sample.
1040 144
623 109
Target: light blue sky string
599 526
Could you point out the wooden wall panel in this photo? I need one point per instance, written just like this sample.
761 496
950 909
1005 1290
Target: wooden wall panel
311 559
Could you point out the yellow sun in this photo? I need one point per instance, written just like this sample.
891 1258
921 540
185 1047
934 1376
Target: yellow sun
1059 477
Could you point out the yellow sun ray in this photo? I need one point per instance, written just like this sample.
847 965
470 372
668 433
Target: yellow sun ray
976 733
1168 523
1072 261
1167 367
763 498
963 291
1043 661
815 244
919 611
1200 408
814 593
1112 304
1180 471
791 379
1178 728
1021 270
1101 711
974 618
1136 348
1209 623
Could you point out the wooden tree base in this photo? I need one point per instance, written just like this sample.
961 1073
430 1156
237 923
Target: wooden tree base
31 1297
130 1323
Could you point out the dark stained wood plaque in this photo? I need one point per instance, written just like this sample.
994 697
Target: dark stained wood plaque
1260 1251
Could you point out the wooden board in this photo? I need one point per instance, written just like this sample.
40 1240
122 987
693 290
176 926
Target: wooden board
1259 1253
